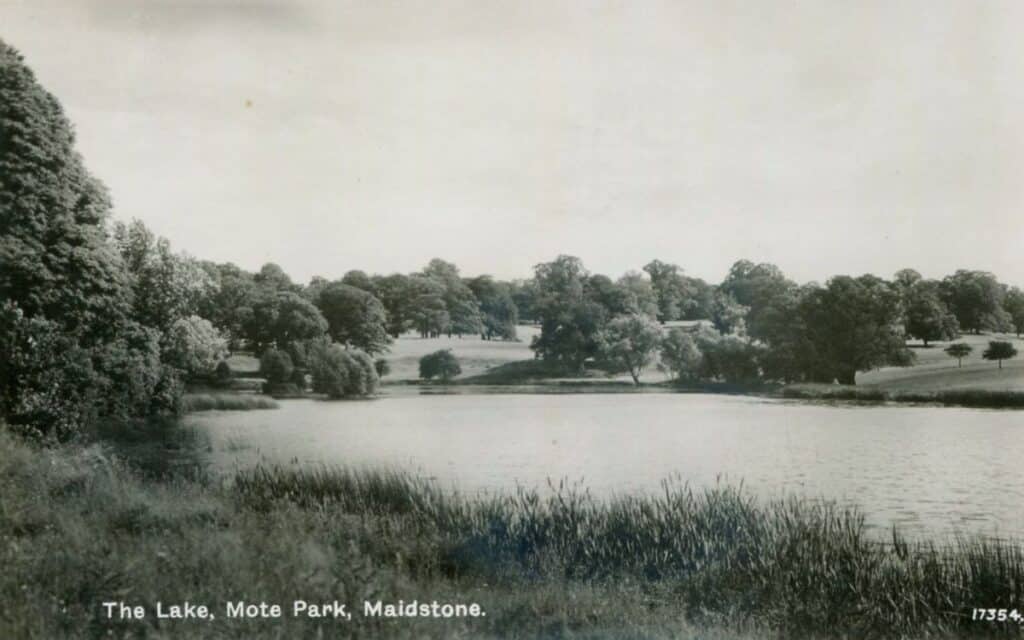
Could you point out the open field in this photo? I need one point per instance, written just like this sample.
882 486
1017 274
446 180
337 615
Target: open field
935 371
475 355
79 529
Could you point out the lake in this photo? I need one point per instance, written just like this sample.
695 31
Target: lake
936 471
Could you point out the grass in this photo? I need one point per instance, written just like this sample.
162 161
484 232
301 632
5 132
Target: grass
935 371
226 402
980 398
78 529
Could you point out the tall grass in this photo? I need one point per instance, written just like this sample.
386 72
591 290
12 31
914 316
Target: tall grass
980 398
800 568
225 402
77 529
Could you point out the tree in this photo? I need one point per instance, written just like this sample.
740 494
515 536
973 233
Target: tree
927 317
1013 303
439 364
644 299
571 321
281 317
976 299
680 355
354 317
338 372
195 346
69 351
629 343
959 350
728 315
851 325
359 280
728 358
499 312
396 293
999 350
276 366
460 303
758 288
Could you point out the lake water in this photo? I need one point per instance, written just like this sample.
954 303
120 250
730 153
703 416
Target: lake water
938 471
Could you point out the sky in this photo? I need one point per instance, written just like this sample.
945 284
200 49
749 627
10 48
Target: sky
824 136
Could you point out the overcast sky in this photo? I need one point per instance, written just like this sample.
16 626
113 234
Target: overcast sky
824 136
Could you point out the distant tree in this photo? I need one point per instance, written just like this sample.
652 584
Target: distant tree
273 278
728 358
614 298
427 310
382 367
851 325
396 292
904 279
440 364
959 350
976 299
759 288
231 302
927 317
354 317
524 295
571 320
727 315
279 318
359 280
680 355
999 350
195 346
498 311
338 372
1013 303
644 299
629 344
276 366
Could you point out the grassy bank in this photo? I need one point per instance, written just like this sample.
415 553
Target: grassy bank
979 398
78 529
225 402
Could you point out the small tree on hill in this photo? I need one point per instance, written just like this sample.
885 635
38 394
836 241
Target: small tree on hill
440 364
959 350
999 350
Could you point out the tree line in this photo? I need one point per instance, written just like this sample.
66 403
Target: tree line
102 320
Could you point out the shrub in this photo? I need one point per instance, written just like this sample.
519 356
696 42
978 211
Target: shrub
382 366
222 374
341 373
680 355
276 366
440 364
195 346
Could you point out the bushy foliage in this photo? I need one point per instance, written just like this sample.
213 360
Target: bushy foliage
441 364
193 345
342 373
276 366
629 344
729 359
999 350
355 318
70 349
680 355
222 374
382 366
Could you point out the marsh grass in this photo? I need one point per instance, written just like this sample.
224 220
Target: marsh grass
226 402
77 529
979 398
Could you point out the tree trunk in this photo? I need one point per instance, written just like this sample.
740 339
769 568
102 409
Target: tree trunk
1000 364
959 363
636 377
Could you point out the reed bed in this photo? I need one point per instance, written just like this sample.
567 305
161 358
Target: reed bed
193 402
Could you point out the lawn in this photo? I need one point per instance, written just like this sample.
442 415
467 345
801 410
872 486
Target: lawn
475 355
935 371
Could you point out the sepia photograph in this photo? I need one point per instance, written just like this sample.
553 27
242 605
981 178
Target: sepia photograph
480 319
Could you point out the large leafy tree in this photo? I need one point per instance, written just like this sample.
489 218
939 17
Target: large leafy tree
629 343
1014 305
354 317
69 351
976 299
761 288
571 320
55 261
851 325
927 317
498 310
